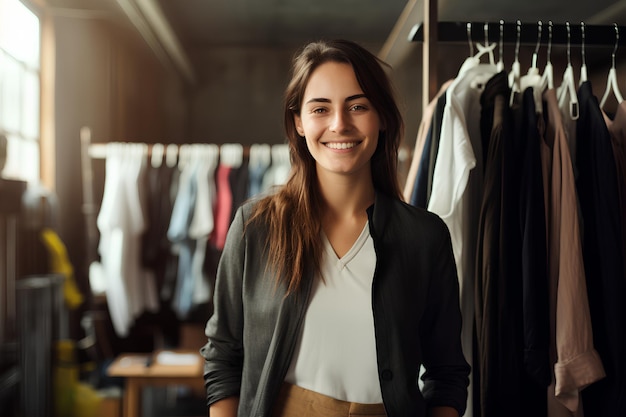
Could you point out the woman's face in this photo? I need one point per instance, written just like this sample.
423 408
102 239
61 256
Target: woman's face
339 123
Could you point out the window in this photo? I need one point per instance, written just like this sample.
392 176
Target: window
20 89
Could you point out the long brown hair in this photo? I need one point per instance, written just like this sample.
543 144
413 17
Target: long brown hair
293 213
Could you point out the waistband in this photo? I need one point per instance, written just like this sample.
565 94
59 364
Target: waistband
295 401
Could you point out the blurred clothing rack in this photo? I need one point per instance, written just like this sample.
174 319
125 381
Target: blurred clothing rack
456 32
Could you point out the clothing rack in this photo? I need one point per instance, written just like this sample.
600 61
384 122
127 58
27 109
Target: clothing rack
457 32
91 151
431 32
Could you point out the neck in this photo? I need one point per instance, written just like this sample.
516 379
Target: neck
346 196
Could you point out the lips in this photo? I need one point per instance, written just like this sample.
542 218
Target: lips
341 145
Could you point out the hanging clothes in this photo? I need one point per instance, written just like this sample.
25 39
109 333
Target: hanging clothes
493 249
576 363
602 250
457 181
130 289
422 133
617 130
422 186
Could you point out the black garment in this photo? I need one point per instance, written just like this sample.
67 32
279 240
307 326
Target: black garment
238 179
496 132
156 253
606 287
536 297
511 320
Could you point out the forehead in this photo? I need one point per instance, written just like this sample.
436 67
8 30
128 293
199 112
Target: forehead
332 78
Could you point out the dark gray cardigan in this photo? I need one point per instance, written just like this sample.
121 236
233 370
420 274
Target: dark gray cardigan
415 300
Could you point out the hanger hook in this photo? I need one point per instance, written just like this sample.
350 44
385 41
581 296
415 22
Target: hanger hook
569 60
582 44
535 54
519 35
501 48
469 38
539 29
486 29
616 43
549 39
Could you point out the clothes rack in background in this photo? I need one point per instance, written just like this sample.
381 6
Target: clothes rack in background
431 32
456 32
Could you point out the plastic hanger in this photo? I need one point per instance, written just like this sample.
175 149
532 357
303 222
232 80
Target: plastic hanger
514 75
487 48
500 64
171 155
611 82
231 154
156 159
568 86
473 60
547 79
583 67
532 79
482 73
260 155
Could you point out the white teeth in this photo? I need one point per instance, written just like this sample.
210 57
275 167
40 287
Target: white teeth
342 145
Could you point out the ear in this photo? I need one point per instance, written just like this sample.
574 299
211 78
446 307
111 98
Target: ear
297 120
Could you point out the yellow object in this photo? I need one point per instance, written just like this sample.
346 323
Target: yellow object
60 264
86 401
72 398
65 376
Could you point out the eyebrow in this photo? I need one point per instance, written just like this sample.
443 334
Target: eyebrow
325 100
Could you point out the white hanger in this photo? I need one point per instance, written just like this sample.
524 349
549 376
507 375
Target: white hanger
482 73
568 86
280 153
500 63
487 48
514 75
583 67
533 78
611 82
260 155
547 79
158 149
231 154
171 155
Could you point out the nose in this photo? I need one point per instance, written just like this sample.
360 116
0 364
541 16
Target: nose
340 121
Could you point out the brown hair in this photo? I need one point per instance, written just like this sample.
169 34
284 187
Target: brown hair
292 214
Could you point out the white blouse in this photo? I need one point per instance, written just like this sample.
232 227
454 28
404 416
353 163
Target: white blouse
336 353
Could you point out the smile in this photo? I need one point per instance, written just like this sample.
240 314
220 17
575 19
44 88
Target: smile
341 145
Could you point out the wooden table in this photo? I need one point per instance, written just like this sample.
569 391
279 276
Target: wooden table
142 370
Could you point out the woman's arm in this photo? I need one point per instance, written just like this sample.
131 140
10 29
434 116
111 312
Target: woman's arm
224 408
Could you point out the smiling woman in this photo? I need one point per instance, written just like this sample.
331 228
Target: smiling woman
332 292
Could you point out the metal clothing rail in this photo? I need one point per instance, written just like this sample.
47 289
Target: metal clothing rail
508 32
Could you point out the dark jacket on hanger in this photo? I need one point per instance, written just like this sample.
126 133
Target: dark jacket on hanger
602 248
513 371
414 299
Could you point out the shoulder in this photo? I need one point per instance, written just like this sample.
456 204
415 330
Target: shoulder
397 215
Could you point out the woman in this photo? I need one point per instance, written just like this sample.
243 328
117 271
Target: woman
332 292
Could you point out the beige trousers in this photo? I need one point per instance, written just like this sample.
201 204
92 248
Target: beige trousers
295 401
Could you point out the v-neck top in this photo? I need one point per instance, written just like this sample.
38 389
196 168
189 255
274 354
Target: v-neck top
336 352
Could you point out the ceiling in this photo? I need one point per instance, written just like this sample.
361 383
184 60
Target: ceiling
177 26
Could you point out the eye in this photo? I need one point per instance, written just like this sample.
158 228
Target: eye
358 107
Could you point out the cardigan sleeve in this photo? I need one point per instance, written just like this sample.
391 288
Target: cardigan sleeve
223 352
446 376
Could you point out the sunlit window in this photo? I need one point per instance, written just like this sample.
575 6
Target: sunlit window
20 88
